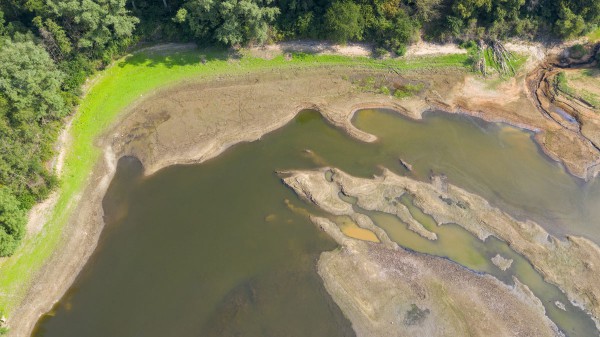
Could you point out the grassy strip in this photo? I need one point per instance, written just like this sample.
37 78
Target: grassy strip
594 36
119 86
562 84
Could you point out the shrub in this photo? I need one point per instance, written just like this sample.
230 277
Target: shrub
577 51
12 222
344 21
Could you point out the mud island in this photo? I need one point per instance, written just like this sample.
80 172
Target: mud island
401 244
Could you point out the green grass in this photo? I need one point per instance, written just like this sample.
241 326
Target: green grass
408 90
116 88
594 36
563 85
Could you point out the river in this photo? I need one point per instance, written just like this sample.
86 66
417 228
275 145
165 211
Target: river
214 249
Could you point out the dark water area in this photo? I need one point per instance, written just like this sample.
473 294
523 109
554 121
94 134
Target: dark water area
214 250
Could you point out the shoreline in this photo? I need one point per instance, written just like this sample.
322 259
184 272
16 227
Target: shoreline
79 237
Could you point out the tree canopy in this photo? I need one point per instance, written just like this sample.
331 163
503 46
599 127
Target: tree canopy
229 22
345 21
30 82
12 222
92 25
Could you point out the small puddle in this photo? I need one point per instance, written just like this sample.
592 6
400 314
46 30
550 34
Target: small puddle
564 115
351 229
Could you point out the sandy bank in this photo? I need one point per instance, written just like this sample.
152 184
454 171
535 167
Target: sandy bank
420 48
173 125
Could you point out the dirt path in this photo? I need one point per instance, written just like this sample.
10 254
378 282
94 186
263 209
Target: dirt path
351 49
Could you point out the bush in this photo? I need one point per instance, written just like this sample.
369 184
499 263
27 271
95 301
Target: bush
468 45
12 222
384 90
379 52
344 21
400 50
577 51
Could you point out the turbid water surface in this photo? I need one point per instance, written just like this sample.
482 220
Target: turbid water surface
215 250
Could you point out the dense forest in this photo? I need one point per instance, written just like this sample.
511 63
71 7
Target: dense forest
49 47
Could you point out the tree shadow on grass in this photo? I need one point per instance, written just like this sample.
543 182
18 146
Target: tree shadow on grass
174 55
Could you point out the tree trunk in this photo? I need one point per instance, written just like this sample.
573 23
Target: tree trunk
165 3
133 5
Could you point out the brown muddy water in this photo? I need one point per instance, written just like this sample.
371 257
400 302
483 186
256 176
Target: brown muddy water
215 250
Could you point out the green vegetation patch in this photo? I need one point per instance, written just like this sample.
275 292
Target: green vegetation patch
407 90
562 85
493 58
594 35
577 51
579 87
119 86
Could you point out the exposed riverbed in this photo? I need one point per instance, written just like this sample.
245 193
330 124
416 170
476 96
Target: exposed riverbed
215 249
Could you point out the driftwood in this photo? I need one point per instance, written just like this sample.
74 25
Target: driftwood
481 65
503 58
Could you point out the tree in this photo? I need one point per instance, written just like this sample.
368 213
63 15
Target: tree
230 22
569 24
426 10
12 222
396 32
93 24
30 82
301 18
344 21
54 38
2 22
